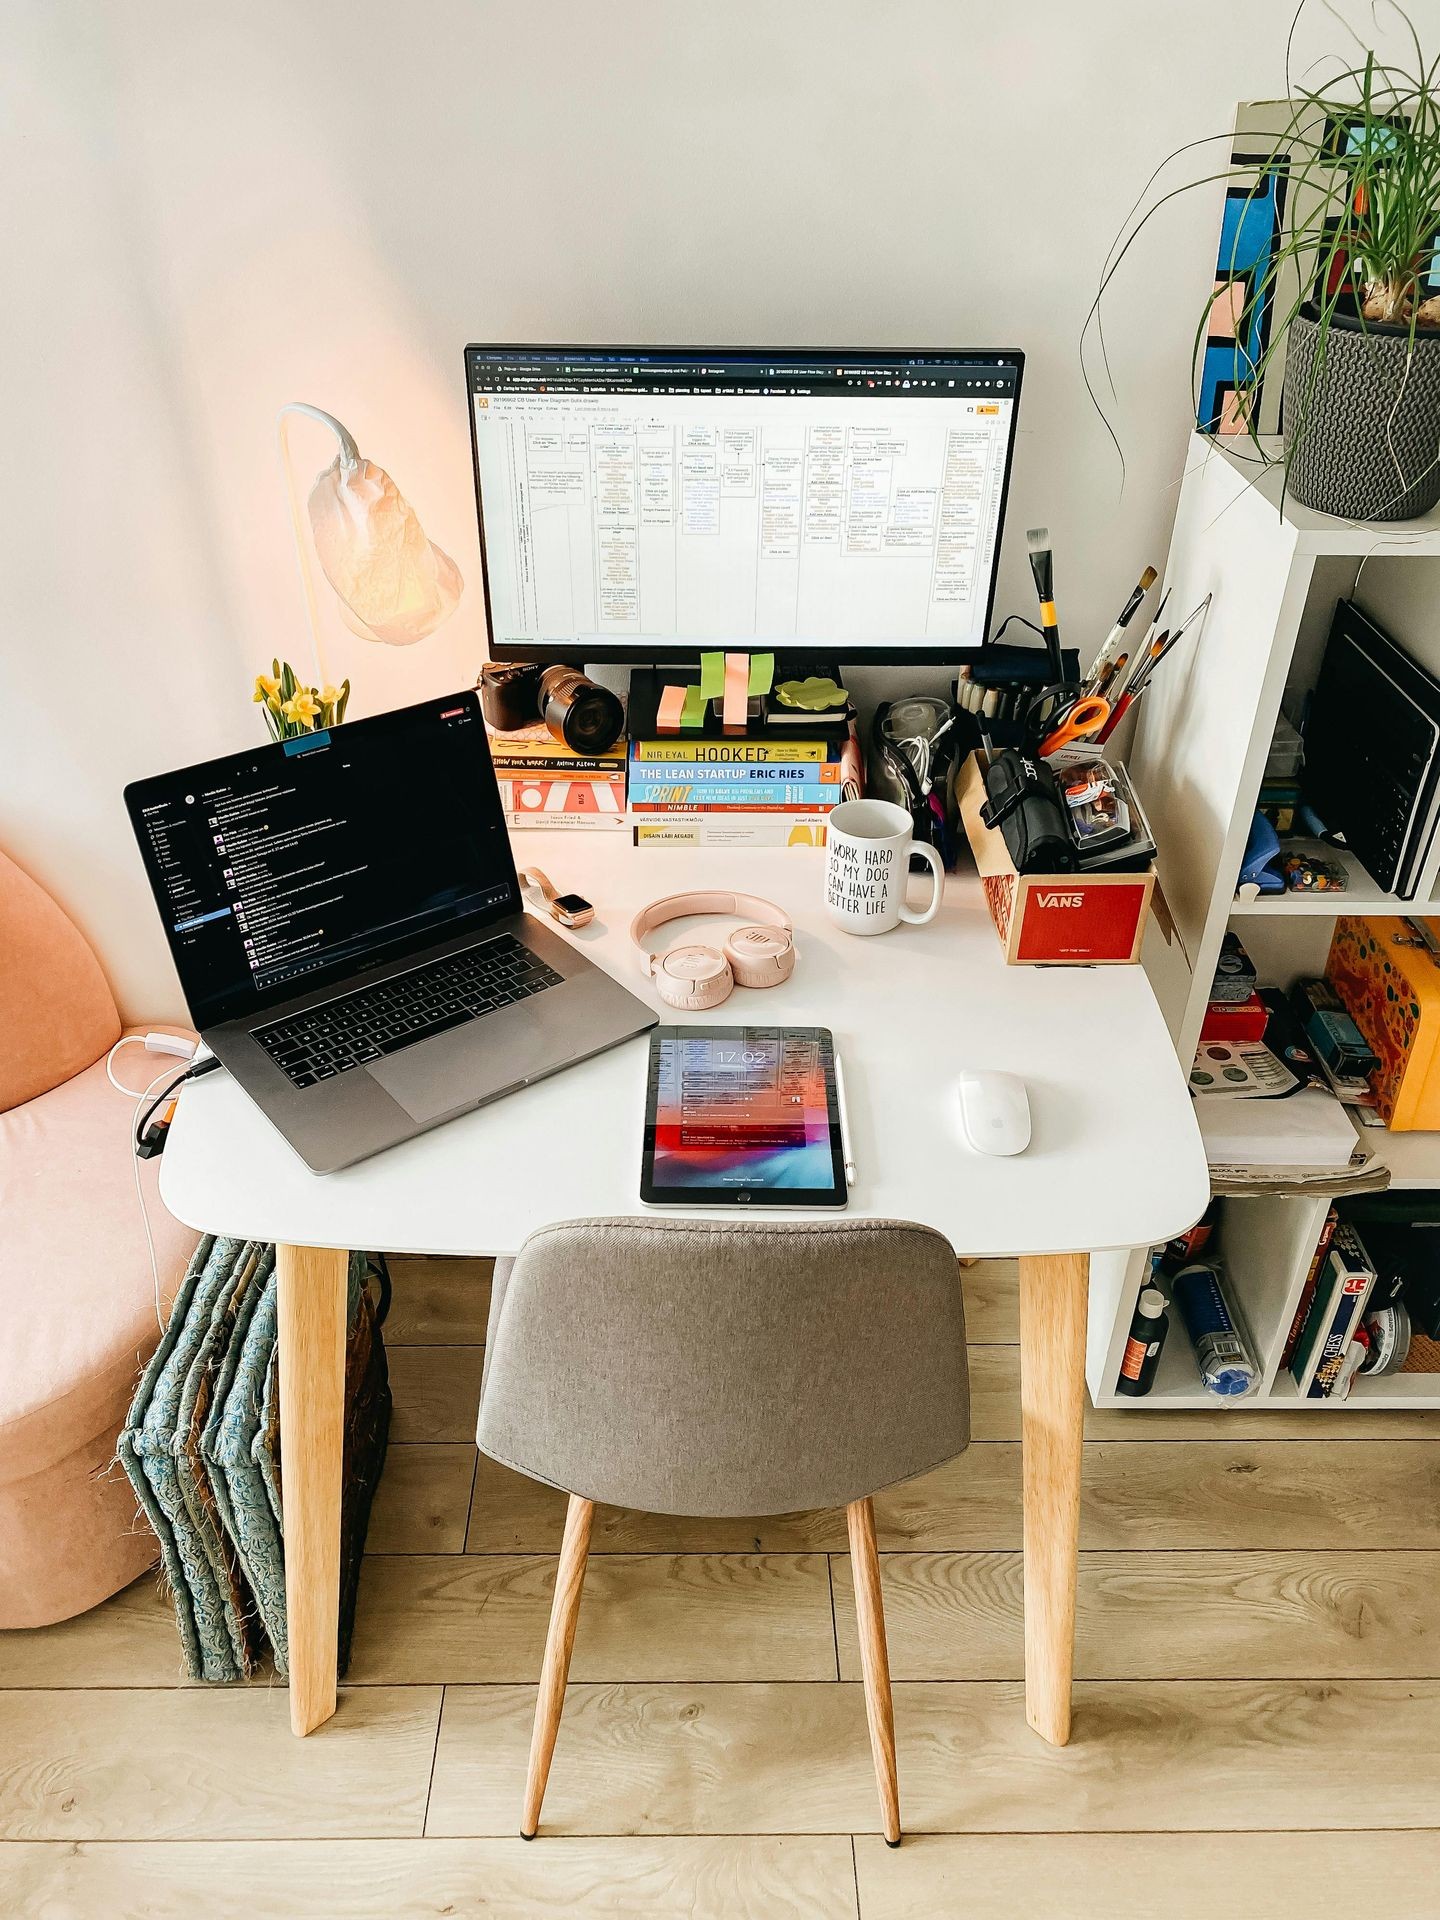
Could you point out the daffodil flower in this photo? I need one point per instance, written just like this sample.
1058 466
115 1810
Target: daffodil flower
301 708
267 690
330 697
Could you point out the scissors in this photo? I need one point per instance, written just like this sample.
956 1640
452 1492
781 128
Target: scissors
1063 714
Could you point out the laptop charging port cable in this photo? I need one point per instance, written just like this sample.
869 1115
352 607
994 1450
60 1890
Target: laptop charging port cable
148 1132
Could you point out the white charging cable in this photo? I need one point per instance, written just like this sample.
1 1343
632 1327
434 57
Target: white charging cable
179 1049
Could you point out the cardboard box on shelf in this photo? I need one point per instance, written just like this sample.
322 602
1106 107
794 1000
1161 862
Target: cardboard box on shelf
1052 919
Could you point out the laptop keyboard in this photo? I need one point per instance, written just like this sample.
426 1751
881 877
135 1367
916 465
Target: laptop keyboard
360 1026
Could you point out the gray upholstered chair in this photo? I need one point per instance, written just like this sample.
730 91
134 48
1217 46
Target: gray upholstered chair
725 1369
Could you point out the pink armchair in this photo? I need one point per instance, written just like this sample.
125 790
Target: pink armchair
77 1296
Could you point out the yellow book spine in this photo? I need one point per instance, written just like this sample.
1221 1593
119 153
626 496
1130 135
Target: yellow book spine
733 753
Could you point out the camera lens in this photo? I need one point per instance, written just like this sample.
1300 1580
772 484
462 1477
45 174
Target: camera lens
587 718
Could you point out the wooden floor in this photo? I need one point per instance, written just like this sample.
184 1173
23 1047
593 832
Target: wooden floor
1258 1703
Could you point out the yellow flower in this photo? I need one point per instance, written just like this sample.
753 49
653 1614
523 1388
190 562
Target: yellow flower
267 690
330 697
301 708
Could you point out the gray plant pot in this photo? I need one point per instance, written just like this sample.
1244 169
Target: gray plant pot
1362 429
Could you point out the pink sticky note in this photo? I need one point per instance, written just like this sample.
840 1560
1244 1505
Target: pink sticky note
671 708
736 706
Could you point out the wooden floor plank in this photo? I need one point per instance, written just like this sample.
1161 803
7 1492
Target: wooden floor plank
1117 1877
643 1617
1261 1615
422 1500
220 1764
1137 1496
510 1514
1161 1755
437 1302
795 1876
129 1640
992 1301
437 1393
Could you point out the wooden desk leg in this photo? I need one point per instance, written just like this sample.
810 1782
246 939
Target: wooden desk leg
1053 1292
311 1301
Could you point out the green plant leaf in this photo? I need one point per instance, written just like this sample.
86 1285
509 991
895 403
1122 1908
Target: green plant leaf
1363 211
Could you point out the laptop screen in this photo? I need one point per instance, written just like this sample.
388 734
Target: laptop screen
307 860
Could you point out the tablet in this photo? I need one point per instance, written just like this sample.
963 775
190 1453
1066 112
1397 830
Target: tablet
742 1116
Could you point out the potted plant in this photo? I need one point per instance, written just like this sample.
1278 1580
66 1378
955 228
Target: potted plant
291 709
1344 295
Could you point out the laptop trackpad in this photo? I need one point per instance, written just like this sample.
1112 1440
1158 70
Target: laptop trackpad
458 1070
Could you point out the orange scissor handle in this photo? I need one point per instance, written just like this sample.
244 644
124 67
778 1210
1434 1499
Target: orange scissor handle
1087 715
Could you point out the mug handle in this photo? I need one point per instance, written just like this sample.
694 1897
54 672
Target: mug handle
929 853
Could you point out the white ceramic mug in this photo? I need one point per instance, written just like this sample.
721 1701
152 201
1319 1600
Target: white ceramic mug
867 860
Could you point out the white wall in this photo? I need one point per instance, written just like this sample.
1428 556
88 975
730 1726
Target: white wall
224 207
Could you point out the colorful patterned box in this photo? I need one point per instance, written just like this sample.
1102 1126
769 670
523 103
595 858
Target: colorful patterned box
1389 981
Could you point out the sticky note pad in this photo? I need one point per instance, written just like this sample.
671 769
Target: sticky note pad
693 713
712 675
736 710
670 714
762 672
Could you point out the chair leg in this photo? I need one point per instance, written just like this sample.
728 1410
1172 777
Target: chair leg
564 1611
874 1661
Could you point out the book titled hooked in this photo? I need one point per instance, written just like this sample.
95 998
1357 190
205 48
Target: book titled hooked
736 753
723 773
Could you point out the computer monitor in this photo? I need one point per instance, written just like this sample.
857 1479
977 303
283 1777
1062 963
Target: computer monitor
644 503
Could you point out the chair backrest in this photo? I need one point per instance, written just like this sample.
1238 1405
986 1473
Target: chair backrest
699 1368
57 1013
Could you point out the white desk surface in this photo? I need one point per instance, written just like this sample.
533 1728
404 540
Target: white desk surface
1115 1159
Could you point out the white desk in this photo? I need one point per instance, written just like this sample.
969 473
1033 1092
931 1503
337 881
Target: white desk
1115 1161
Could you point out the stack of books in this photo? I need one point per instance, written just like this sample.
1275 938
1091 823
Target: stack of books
775 785
544 784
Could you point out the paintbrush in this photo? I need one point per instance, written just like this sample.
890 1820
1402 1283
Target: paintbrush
1165 644
1117 632
1110 674
1042 565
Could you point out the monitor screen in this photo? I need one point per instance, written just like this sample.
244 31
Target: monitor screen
291 865
651 503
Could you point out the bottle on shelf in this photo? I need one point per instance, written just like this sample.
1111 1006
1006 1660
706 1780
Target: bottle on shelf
1222 1352
1142 1349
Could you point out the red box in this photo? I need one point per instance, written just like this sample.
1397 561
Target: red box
1052 919
1235 1019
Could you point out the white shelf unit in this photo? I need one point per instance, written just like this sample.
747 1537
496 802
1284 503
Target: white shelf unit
1275 571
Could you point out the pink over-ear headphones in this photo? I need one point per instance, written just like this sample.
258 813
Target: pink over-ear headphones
695 977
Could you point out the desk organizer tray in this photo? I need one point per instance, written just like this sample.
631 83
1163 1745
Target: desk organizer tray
1052 919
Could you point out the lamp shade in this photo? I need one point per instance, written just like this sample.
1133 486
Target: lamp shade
393 583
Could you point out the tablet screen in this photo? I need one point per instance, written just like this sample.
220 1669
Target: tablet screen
742 1116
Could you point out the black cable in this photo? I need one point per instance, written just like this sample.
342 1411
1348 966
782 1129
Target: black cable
1006 622
192 1072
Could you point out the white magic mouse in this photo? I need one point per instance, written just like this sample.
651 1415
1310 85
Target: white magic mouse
995 1112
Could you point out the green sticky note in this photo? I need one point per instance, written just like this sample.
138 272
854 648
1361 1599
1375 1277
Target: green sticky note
712 676
692 714
762 672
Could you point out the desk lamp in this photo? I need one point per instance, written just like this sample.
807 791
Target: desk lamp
393 583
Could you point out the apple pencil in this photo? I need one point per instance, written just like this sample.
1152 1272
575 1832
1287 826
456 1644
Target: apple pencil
846 1149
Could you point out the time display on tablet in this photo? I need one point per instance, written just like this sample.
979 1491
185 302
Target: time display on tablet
743 1114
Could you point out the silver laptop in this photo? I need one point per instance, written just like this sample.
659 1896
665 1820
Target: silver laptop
345 919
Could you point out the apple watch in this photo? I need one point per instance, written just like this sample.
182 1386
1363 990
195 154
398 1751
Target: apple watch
568 909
